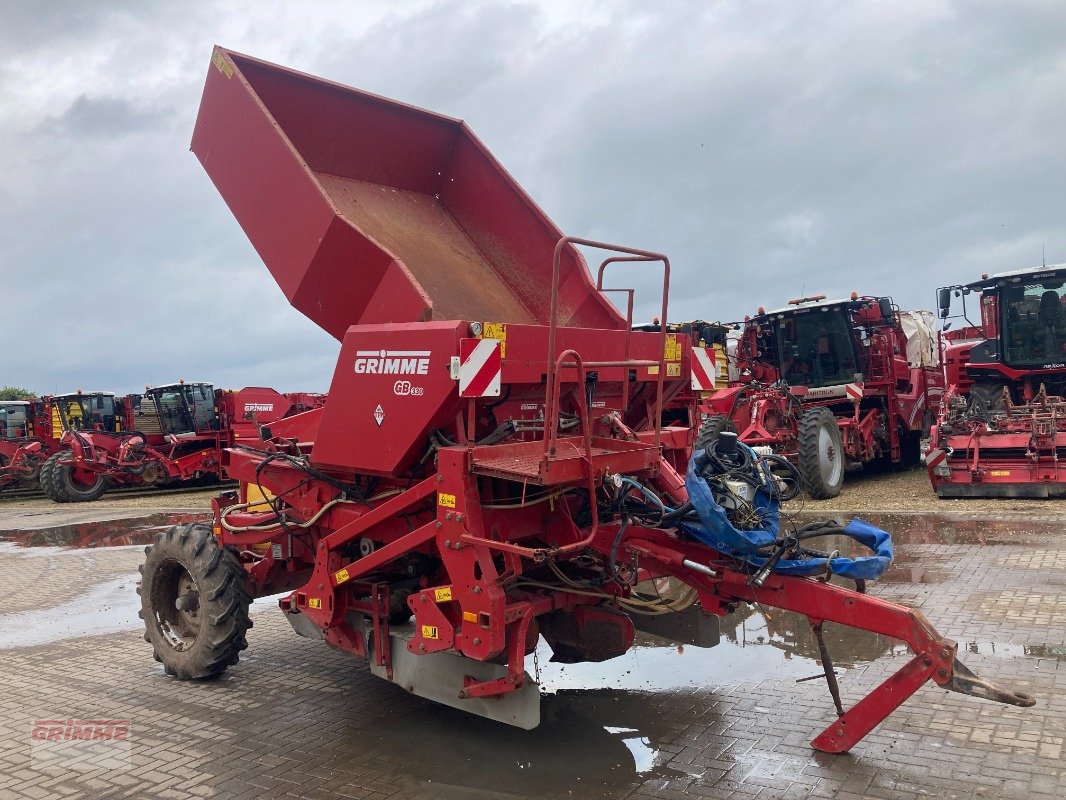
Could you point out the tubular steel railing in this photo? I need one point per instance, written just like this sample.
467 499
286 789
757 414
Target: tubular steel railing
556 365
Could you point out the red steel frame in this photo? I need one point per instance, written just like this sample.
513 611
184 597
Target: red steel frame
382 484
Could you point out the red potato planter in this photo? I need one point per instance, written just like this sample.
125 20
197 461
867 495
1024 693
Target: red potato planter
447 507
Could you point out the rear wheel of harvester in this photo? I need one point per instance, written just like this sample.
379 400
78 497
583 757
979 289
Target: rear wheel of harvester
46 479
821 454
711 428
75 485
193 602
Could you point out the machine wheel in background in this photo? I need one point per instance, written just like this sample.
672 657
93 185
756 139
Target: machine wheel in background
75 485
47 478
193 602
821 454
710 428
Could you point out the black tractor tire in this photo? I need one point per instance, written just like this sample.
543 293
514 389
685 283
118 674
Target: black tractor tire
710 428
194 603
821 454
63 485
46 479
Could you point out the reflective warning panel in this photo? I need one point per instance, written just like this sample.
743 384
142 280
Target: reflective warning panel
480 367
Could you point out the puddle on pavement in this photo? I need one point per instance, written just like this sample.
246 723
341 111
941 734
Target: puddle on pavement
620 728
108 607
109 533
1011 650
590 744
945 529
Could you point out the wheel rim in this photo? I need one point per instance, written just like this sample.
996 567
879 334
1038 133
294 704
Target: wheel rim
829 463
83 479
175 600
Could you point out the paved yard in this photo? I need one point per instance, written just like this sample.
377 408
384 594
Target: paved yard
297 720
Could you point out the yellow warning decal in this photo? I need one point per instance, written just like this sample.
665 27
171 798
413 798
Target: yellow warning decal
445 500
672 350
341 576
496 330
999 473
443 594
430 632
220 63
653 370
315 602
673 370
469 616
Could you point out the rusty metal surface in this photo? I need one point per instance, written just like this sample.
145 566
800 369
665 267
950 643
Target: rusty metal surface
367 210
420 233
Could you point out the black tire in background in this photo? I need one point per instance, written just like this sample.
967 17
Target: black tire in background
73 492
710 428
821 454
46 479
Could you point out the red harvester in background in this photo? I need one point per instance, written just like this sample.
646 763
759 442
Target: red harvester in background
24 441
31 431
175 432
1002 426
834 385
490 459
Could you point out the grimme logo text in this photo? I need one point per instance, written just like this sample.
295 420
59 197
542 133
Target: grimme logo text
257 407
392 362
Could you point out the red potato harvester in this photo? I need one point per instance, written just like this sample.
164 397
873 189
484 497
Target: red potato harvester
1001 431
175 432
833 384
27 439
489 460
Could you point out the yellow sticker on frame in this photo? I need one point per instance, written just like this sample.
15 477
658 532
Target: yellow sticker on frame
498 331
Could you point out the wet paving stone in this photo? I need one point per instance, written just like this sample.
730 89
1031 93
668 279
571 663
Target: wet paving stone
295 719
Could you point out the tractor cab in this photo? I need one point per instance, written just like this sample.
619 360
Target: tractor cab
84 411
816 343
1019 328
185 408
15 419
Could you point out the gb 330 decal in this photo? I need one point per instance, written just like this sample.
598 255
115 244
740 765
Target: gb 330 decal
405 389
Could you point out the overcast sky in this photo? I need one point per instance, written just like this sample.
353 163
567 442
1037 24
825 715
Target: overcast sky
771 149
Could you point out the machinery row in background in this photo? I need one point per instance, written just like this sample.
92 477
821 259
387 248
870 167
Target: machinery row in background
76 446
832 385
838 385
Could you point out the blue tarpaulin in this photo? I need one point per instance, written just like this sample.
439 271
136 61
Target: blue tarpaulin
715 530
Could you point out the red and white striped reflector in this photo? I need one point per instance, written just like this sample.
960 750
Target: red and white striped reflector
854 391
703 369
480 367
935 457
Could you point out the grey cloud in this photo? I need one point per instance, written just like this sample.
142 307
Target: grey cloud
770 149
91 117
